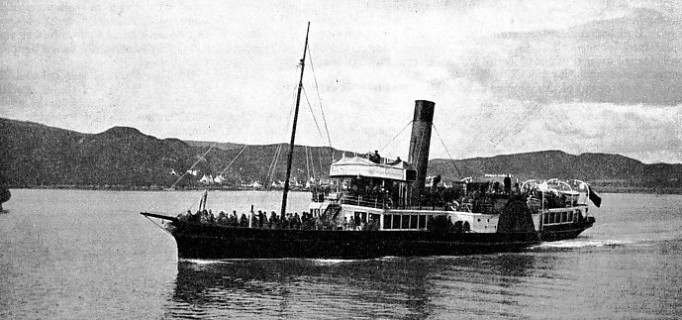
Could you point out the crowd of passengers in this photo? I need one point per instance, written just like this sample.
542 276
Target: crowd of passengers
294 221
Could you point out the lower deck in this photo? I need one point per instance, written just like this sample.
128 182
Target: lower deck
354 217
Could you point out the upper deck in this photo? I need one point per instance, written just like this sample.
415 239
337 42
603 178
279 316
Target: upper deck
384 168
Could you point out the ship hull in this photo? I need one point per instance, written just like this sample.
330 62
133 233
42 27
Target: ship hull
196 241
566 231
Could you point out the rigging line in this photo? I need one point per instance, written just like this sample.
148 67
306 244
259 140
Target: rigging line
305 94
319 158
446 150
270 175
396 136
194 164
317 88
271 169
307 164
274 165
233 160
160 227
312 160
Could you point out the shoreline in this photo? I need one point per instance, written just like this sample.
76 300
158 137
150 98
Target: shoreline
598 189
147 188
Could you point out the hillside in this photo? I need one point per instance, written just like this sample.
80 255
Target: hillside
219 145
609 171
36 155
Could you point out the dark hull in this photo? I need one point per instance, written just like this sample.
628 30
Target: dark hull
566 231
215 242
204 241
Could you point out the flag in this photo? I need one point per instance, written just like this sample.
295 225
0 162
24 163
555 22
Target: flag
595 198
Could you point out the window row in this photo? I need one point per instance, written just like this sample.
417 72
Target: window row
405 222
558 217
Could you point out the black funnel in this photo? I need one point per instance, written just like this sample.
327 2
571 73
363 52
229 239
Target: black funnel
420 144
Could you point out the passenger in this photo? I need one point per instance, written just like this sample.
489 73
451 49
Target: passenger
196 217
507 184
264 220
243 221
296 224
234 221
204 216
222 218
376 158
289 220
272 224
185 216
260 219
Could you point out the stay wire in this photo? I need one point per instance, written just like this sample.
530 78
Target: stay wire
396 136
194 164
233 160
446 150
156 224
317 88
305 94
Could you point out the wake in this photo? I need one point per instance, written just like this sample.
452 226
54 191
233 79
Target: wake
587 243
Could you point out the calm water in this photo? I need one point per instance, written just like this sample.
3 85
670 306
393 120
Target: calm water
68 254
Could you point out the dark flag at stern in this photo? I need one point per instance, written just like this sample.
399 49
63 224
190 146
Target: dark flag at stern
595 198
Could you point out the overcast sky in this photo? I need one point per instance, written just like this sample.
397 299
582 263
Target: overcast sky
506 76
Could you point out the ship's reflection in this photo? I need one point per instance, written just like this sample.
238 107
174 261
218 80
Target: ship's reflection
387 288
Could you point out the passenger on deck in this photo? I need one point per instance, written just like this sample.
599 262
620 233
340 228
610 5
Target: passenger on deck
296 224
260 219
222 218
185 215
507 184
243 221
204 216
264 220
233 220
196 217
376 158
272 223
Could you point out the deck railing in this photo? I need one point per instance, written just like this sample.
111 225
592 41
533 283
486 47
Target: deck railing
366 201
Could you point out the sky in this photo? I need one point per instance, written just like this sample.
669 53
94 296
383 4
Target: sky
506 76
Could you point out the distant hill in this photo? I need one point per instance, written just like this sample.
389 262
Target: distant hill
38 155
614 172
219 145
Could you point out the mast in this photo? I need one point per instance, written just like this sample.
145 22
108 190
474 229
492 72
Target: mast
293 130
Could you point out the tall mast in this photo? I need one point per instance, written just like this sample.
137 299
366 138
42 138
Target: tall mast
293 130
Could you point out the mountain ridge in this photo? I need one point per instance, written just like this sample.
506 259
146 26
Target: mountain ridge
37 155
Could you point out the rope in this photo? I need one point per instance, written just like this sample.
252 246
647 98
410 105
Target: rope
194 164
233 160
317 88
307 163
396 136
270 176
273 164
446 150
305 94
156 224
